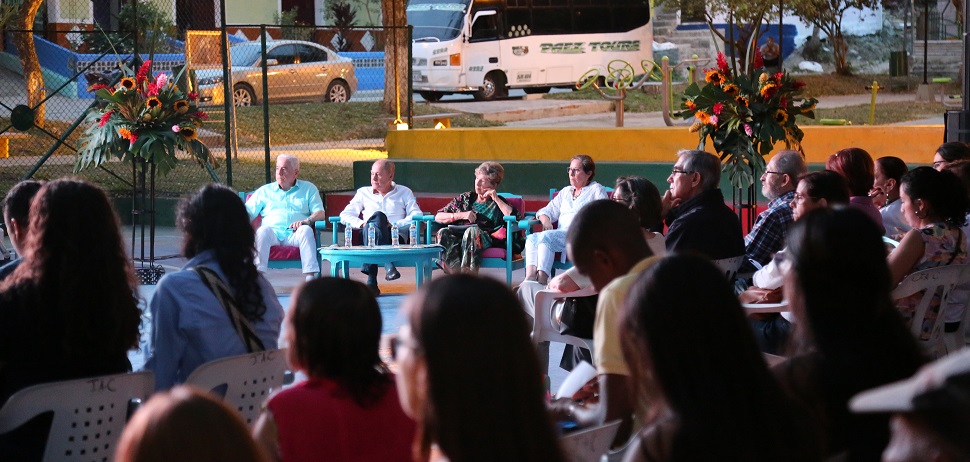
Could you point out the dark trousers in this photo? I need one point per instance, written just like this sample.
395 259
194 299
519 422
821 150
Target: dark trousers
772 333
382 236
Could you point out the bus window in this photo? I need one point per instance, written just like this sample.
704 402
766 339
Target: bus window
486 28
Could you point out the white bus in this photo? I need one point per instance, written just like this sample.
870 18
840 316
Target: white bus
485 47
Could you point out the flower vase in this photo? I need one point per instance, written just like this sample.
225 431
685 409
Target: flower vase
142 215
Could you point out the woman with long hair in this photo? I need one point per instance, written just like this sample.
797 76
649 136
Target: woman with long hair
350 398
195 311
848 337
859 171
469 375
70 309
711 394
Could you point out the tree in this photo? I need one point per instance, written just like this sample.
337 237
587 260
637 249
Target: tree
827 16
24 41
394 19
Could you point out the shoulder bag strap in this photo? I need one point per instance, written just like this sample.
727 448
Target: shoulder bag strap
242 325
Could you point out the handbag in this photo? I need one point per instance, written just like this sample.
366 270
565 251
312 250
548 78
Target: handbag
242 325
575 315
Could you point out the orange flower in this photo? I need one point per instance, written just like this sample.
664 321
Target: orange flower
731 89
188 133
703 117
781 117
741 100
153 103
181 106
768 90
124 133
128 83
690 104
714 77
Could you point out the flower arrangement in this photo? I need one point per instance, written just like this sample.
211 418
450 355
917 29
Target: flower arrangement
745 114
142 117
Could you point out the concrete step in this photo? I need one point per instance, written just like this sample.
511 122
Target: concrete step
513 110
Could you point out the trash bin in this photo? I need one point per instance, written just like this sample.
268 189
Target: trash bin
898 64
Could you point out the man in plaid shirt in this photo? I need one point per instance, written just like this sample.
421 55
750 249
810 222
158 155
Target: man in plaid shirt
778 184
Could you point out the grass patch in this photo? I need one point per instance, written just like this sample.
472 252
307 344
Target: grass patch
833 84
636 100
37 142
886 113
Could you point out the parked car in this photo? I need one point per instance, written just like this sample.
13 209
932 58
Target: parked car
296 71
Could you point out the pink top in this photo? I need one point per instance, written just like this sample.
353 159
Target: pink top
317 421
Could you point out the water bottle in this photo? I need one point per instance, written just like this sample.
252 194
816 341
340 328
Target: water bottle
413 233
348 236
395 236
371 236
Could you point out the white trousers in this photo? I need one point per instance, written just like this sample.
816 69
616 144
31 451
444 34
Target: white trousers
302 238
541 248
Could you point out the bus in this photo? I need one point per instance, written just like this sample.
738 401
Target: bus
486 47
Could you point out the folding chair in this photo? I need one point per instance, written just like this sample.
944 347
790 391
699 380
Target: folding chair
590 444
247 379
933 284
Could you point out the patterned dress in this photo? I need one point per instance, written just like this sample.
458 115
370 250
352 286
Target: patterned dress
944 246
464 247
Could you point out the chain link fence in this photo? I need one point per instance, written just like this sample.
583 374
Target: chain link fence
315 92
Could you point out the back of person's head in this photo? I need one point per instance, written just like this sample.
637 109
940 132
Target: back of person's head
828 185
215 218
856 166
16 204
941 190
790 163
641 196
608 227
892 167
484 391
80 277
953 151
704 163
711 374
186 425
335 331
961 169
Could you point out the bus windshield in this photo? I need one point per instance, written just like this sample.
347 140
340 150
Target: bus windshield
436 20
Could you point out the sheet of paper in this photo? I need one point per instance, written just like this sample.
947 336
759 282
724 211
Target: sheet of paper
582 373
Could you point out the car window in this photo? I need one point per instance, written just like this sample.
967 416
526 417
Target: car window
309 54
283 54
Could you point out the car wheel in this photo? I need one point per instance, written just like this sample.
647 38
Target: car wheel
536 90
337 92
243 95
431 96
493 86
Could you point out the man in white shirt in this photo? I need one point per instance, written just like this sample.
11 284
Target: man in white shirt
381 204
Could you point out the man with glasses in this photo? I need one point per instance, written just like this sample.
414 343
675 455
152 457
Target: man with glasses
767 236
694 210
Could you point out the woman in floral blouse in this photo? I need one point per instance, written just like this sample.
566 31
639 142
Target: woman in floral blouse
478 219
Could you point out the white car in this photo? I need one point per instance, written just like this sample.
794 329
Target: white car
296 71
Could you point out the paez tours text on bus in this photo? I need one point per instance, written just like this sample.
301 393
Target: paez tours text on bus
580 47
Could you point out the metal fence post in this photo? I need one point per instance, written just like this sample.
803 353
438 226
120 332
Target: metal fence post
262 52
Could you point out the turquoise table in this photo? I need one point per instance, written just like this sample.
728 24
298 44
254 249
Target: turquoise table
421 257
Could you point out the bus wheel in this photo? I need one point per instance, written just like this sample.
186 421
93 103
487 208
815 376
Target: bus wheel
536 90
493 86
431 96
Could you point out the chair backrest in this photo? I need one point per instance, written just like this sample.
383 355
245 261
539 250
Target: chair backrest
248 379
542 328
934 283
590 444
89 414
729 266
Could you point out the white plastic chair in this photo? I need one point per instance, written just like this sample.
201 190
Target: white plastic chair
89 414
958 340
542 328
730 266
249 379
930 282
590 444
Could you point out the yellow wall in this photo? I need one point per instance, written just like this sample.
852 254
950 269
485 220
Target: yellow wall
913 143
252 12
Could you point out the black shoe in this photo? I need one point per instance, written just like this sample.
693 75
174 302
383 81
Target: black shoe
391 272
365 268
374 289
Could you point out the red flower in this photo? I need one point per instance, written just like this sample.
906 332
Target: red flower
133 137
152 89
202 115
193 95
104 118
796 85
759 61
143 72
718 107
722 64
96 87
783 102
778 76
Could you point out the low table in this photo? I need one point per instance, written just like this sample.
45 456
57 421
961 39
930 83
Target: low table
421 257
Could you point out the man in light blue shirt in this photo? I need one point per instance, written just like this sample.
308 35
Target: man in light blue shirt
289 207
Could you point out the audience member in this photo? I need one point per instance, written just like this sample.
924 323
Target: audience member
959 297
848 337
218 305
541 247
477 222
707 382
696 216
950 152
767 236
859 171
816 190
350 399
187 425
487 403
16 213
606 245
69 310
382 204
931 412
889 172
289 208
935 205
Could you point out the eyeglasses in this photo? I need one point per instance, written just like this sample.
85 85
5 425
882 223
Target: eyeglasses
621 199
677 170
574 171
769 172
800 198
397 342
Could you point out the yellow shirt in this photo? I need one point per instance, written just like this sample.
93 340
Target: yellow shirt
608 356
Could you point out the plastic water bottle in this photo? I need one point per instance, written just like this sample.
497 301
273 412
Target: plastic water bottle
413 233
395 236
371 236
348 236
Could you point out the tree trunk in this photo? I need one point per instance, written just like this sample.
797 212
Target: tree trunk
396 50
840 49
24 41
